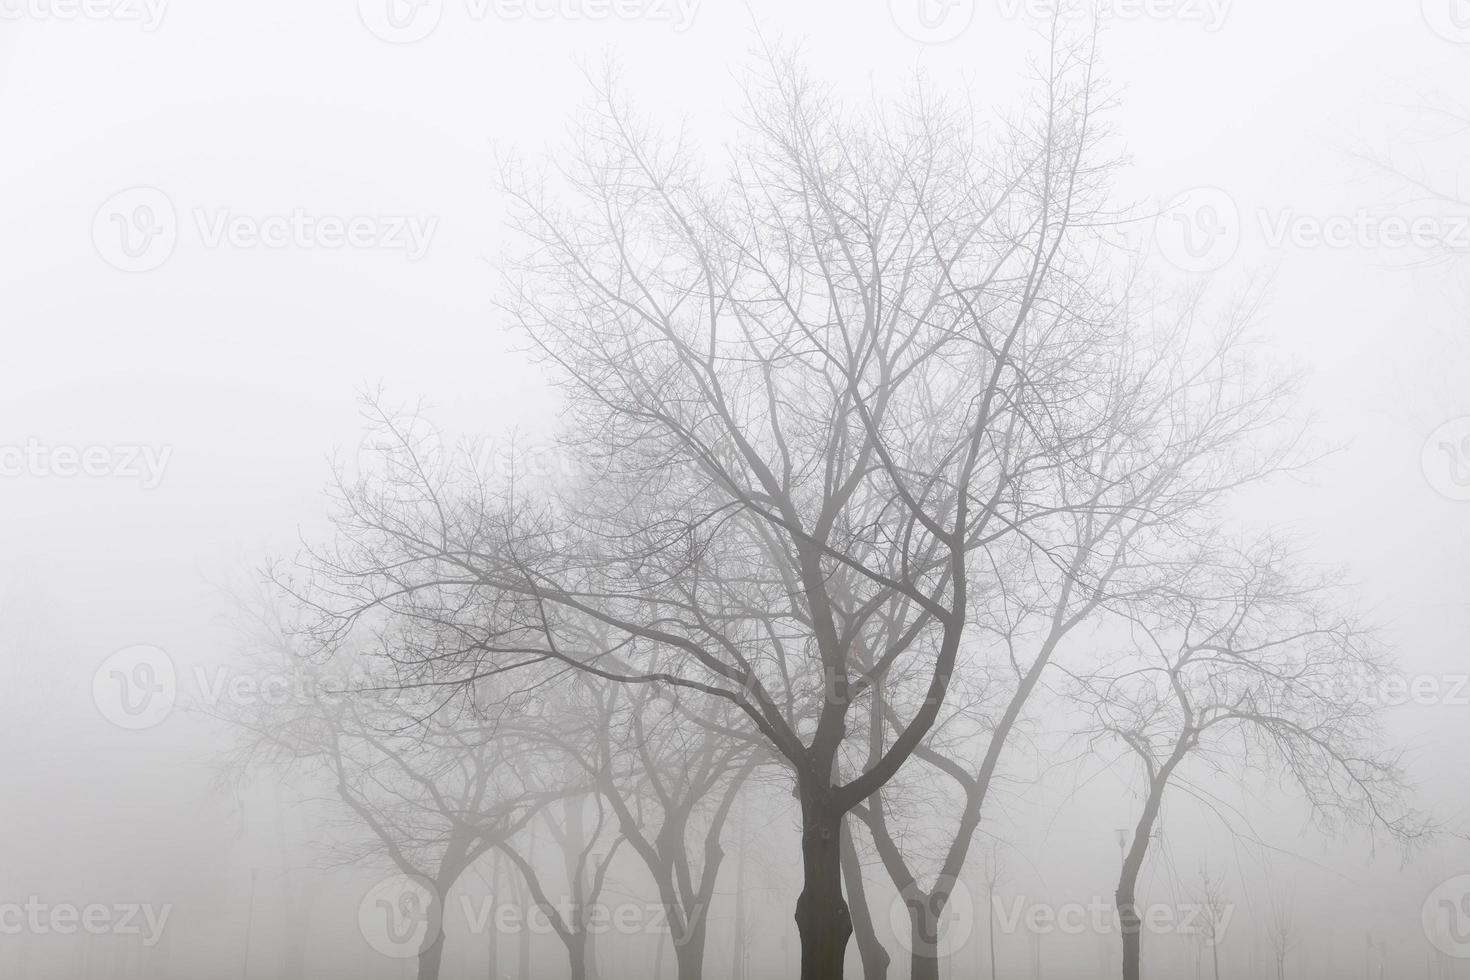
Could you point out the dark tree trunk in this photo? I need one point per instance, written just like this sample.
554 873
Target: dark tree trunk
1128 919
429 959
577 957
1130 923
689 953
822 917
875 958
924 912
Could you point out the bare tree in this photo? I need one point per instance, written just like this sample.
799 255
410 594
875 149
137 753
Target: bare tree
1239 665
587 855
875 958
871 411
669 784
803 402
1281 929
1183 434
429 796
994 874
1216 914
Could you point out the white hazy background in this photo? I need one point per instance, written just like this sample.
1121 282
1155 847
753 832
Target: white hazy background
244 364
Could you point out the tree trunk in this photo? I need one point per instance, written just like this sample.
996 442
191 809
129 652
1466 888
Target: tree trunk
990 925
1128 918
822 917
689 952
1130 923
430 957
875 957
737 969
492 941
1133 862
577 957
924 912
523 950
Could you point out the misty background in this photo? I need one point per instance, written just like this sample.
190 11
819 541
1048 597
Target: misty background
236 370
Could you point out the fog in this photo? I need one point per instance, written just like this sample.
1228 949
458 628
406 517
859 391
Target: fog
531 489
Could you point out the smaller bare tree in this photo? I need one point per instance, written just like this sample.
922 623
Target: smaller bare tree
1239 666
1216 914
1281 930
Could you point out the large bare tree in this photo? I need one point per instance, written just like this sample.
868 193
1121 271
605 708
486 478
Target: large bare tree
816 406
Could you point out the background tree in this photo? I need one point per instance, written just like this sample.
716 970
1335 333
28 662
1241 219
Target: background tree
1216 913
1240 666
670 786
587 854
1182 434
1281 929
428 795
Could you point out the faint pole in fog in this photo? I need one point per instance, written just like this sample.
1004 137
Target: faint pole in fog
740 967
249 925
993 874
